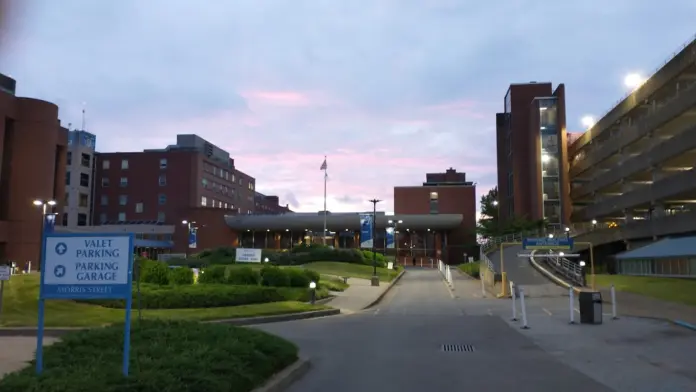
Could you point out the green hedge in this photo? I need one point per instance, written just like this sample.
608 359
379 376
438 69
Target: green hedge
209 296
471 269
170 356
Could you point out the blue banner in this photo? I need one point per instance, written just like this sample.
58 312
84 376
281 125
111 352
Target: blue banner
49 223
561 243
390 237
193 238
366 226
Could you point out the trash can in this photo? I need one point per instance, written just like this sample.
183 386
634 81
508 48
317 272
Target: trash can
590 307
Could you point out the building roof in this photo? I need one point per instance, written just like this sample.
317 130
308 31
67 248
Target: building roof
339 221
667 248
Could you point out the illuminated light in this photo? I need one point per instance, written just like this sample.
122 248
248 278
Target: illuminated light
545 158
542 108
633 80
588 121
495 202
594 221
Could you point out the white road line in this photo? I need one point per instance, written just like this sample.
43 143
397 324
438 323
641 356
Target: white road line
448 289
377 311
547 311
490 312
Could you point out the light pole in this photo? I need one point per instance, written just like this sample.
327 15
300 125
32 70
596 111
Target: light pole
44 204
567 231
375 278
395 226
190 228
496 204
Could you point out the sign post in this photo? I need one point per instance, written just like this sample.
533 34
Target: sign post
5 273
86 266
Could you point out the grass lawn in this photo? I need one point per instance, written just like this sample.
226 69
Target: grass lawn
667 289
165 356
351 270
471 269
20 308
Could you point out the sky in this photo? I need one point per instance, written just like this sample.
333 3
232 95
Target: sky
388 90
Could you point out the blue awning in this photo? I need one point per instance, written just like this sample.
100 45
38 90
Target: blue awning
667 248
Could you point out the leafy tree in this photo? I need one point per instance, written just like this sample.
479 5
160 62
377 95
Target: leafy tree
488 225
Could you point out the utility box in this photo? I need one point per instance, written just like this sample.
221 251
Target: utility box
590 307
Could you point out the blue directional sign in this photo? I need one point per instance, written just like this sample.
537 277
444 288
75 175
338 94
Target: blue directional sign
86 266
561 243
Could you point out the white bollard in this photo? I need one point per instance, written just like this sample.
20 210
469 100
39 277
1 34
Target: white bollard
571 295
613 302
514 301
483 286
524 309
421 262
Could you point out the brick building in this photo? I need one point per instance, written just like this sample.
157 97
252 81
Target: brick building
269 205
33 149
446 194
532 154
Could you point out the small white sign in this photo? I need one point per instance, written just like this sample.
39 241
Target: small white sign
245 255
390 265
87 260
5 272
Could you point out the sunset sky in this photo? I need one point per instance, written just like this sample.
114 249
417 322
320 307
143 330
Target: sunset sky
387 89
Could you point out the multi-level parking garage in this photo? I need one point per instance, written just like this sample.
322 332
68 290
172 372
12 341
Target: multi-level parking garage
633 174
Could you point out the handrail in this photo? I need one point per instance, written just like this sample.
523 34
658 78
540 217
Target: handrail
568 269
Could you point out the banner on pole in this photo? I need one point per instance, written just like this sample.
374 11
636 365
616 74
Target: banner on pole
366 225
390 237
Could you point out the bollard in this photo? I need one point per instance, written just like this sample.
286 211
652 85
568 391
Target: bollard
524 309
571 293
613 303
483 287
514 300
421 262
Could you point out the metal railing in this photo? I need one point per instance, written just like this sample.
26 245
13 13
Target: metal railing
570 270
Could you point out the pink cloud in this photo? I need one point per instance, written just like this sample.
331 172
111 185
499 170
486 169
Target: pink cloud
464 108
281 98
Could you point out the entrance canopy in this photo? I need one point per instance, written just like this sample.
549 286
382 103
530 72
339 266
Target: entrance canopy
340 221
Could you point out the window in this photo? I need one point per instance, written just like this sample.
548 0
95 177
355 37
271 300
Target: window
84 179
124 182
163 163
162 199
227 175
67 178
160 216
139 208
106 165
105 200
241 181
204 182
124 164
251 186
85 160
222 173
102 218
215 171
83 200
82 219
123 200
65 219
69 158
232 177
204 201
121 216
105 182
162 180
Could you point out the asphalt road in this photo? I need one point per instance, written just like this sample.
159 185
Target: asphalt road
398 346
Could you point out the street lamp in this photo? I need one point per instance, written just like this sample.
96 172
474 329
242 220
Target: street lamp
375 278
633 80
588 121
550 235
567 231
313 293
594 224
395 226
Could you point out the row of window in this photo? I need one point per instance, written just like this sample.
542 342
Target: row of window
84 179
220 204
222 173
82 199
106 182
85 159
106 164
103 217
123 200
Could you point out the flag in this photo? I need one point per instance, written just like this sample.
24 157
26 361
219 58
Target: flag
324 166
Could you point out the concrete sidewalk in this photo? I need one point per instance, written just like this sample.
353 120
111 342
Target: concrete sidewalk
358 296
630 304
16 352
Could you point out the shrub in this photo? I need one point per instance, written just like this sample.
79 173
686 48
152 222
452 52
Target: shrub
155 272
298 277
180 356
333 284
191 263
214 274
471 269
313 275
274 277
181 275
243 275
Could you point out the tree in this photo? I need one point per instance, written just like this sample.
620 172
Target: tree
488 225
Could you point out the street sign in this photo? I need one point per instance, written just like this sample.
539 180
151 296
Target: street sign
547 243
86 266
5 272
554 255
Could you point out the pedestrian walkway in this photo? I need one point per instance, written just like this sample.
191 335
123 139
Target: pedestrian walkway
630 304
15 352
359 295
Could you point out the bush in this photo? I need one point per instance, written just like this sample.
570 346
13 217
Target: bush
181 275
243 275
155 272
368 258
274 277
298 277
214 274
471 269
313 275
333 284
191 263
89 360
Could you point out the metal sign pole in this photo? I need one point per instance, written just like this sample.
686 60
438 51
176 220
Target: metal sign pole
2 290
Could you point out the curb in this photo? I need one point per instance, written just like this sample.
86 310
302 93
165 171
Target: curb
286 377
391 284
58 332
684 324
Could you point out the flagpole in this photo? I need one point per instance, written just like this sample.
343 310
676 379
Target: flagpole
325 175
